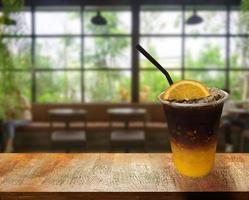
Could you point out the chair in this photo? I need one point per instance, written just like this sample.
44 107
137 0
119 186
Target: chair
66 137
235 115
244 136
126 137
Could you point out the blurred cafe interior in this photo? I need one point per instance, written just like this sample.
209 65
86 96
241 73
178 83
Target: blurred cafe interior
71 79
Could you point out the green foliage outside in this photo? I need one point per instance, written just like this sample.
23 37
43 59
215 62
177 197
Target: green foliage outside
109 86
57 86
99 85
241 57
209 57
104 53
9 81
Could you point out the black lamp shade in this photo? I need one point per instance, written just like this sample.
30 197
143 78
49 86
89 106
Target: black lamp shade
194 19
98 20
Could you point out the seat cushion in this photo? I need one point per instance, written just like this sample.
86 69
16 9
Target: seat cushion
40 127
70 136
97 125
91 126
156 126
245 133
127 135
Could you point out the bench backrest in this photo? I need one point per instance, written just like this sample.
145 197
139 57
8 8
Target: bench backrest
97 112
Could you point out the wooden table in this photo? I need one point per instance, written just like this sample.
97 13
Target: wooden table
67 138
127 111
117 176
239 111
67 115
127 115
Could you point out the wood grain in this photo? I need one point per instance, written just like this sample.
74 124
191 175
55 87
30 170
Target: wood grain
116 176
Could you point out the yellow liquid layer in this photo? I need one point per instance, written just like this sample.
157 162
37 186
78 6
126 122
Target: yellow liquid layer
193 162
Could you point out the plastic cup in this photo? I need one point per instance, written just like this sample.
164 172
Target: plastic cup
193 134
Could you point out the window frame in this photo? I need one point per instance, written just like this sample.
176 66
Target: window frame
135 36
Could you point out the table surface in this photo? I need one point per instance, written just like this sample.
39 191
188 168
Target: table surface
96 172
67 111
239 111
126 111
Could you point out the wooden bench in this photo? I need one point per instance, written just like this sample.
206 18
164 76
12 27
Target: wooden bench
97 117
36 136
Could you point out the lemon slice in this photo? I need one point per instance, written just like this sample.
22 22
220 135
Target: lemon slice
186 90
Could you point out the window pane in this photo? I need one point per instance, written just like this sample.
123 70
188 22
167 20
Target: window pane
210 78
58 87
205 53
57 22
214 22
18 52
239 22
118 22
167 51
111 52
235 22
23 81
237 84
23 24
160 22
58 52
239 53
107 86
152 83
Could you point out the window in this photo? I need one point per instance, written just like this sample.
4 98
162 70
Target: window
57 55
206 52
167 51
162 38
107 86
23 78
118 21
23 24
107 56
203 52
214 20
54 53
237 45
17 44
238 55
168 20
236 79
20 50
58 86
60 56
66 21
153 82
107 52
205 47
238 21
211 77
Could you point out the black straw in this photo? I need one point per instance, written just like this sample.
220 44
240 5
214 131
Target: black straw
154 62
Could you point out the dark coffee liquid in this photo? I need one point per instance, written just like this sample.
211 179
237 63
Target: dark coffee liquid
193 127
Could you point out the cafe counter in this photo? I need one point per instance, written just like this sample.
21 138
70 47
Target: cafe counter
117 176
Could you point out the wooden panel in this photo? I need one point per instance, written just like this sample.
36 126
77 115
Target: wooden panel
97 112
143 176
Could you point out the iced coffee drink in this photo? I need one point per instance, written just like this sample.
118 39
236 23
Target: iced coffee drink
193 115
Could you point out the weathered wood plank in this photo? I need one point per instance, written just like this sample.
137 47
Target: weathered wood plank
126 176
